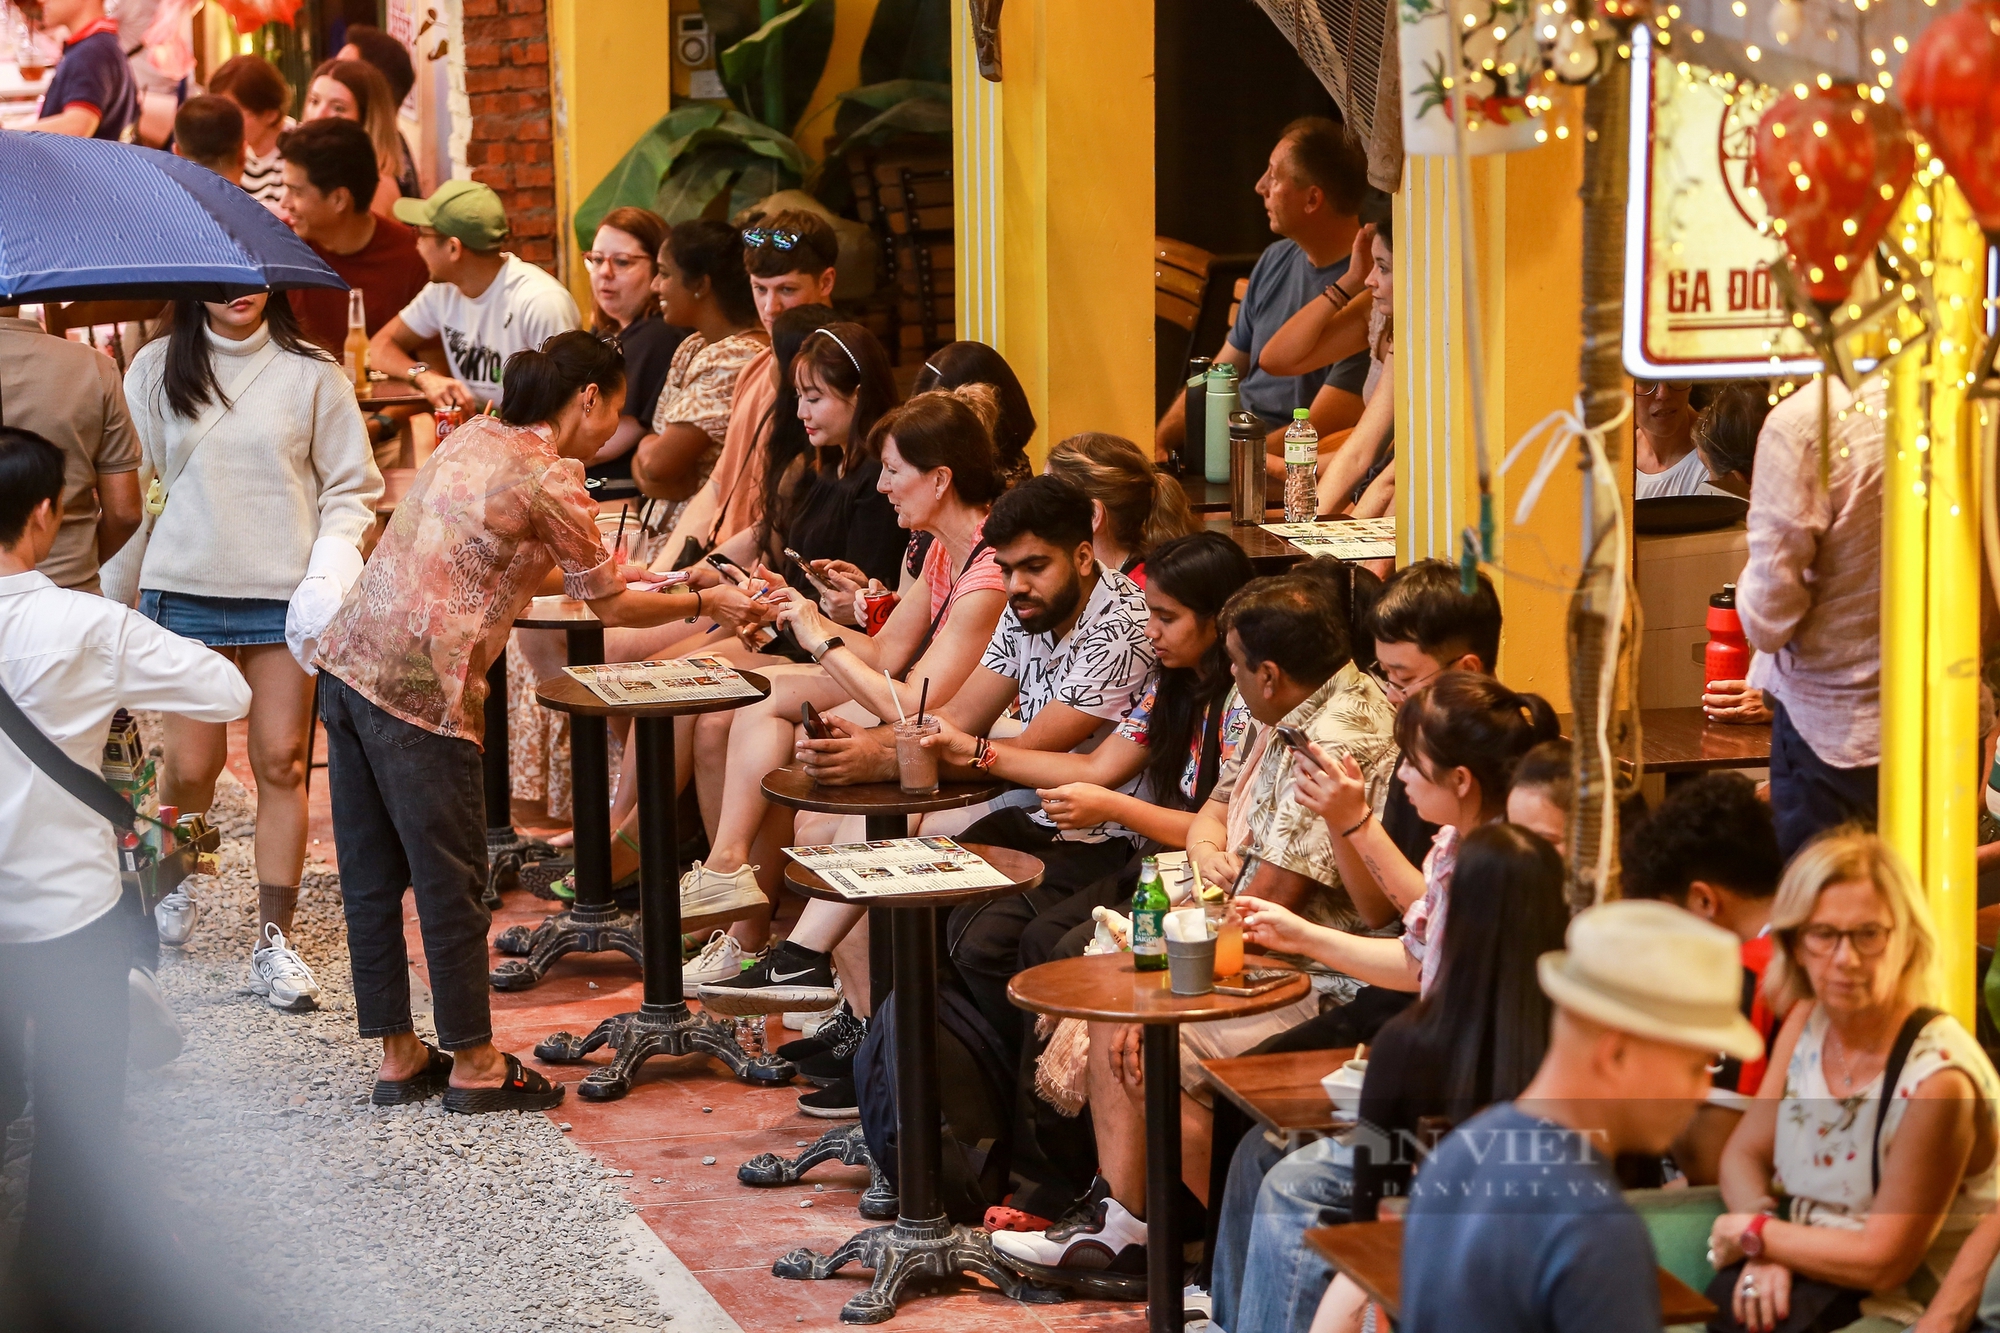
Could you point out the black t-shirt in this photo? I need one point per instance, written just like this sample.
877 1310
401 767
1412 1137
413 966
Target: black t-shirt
649 345
846 518
1405 827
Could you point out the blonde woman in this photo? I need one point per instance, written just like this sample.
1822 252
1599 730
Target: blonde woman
1862 1244
1134 506
355 90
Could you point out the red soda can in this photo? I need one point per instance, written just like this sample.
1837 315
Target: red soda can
875 609
449 418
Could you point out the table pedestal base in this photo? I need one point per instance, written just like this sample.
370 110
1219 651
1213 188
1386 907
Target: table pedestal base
666 1030
506 852
584 928
908 1251
849 1147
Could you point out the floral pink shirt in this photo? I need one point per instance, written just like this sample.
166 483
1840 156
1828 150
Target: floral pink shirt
494 509
1423 924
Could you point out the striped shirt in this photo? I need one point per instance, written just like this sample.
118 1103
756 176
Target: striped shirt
264 173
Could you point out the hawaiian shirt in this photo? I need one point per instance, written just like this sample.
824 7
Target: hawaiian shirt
489 515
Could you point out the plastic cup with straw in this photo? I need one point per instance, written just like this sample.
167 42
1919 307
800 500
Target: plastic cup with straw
916 764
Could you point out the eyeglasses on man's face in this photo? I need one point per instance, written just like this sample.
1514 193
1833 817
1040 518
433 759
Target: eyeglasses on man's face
617 263
1655 388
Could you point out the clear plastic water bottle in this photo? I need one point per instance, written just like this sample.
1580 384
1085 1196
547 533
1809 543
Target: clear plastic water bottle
1301 468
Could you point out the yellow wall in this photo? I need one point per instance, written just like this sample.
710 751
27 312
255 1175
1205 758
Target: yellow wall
1053 170
843 72
1527 230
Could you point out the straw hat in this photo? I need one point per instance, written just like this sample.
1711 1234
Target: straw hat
1653 970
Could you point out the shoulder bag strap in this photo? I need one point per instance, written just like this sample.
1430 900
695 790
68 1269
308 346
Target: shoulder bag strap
1898 1054
1213 719
944 608
72 777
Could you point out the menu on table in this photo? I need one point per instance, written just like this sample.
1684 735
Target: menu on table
1347 539
682 680
889 866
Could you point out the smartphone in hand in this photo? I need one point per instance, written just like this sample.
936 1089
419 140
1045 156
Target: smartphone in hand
815 725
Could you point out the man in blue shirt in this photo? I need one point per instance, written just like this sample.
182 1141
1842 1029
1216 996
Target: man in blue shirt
91 95
1516 1223
1312 191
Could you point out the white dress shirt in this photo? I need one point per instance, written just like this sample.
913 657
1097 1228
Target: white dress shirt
70 660
1810 594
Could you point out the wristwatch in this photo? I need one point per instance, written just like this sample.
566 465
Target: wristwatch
1751 1242
819 654
418 369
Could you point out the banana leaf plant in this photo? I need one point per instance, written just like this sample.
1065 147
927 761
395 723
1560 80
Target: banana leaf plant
773 54
891 110
689 159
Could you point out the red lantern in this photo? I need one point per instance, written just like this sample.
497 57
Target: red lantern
1951 85
1831 167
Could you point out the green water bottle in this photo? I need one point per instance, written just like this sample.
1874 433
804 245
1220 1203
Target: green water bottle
1149 919
1222 399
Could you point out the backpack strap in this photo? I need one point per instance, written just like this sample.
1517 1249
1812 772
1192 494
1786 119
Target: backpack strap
1899 1054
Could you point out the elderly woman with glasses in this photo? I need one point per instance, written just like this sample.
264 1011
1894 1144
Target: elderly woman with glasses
1663 449
1883 1183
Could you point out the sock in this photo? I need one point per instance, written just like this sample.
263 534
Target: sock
275 904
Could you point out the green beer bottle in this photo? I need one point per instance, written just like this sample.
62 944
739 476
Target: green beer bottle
1149 919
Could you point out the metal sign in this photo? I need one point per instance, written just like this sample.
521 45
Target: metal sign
1699 299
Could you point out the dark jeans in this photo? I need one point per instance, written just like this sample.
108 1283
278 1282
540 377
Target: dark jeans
73 990
409 813
1809 795
984 940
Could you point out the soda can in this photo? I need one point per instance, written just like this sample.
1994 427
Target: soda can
875 609
449 418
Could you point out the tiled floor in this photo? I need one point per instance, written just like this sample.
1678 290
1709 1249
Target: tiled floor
680 1111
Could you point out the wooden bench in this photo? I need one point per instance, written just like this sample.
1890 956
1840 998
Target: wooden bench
1282 1091
1371 1254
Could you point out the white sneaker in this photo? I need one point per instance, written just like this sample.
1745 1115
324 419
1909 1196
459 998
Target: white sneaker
1097 1245
156 1036
705 891
280 975
720 959
175 916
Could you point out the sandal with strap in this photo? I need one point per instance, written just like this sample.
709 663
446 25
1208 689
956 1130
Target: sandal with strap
524 1090
421 1086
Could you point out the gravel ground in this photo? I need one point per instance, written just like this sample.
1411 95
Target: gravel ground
332 1214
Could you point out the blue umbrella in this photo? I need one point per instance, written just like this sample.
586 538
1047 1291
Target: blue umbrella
89 219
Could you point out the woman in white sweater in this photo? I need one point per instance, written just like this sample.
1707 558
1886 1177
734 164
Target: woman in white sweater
263 487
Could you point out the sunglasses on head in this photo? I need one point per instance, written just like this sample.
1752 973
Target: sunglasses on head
774 238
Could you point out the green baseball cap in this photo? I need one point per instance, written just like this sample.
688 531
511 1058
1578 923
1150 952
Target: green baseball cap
466 210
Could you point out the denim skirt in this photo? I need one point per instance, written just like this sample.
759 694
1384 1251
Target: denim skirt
219 622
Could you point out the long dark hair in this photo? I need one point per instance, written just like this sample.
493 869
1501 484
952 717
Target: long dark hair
1356 590
785 441
1484 1026
535 385
846 358
705 248
967 362
1466 720
1200 571
189 375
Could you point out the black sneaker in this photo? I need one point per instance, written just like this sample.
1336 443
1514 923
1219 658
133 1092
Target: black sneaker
836 1101
786 977
842 1032
1097 1247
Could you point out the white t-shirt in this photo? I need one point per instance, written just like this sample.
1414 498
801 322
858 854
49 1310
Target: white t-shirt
522 306
1687 477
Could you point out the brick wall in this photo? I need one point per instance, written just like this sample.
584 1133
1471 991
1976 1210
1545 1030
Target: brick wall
512 142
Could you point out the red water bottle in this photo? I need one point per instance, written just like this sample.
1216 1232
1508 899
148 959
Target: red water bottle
1727 656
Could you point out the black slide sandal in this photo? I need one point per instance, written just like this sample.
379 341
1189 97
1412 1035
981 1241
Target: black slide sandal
524 1090
417 1088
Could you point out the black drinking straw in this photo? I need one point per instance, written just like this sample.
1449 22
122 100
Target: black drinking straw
923 695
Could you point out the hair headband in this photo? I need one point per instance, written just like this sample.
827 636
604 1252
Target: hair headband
851 358
933 370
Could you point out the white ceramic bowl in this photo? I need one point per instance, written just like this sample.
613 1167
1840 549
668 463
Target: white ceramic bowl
1343 1086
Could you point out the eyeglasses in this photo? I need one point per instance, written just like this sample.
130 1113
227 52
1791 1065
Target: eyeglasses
1822 941
1382 678
618 263
1649 388
758 238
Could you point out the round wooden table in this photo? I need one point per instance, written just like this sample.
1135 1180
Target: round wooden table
922 1242
1107 988
663 1024
590 799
